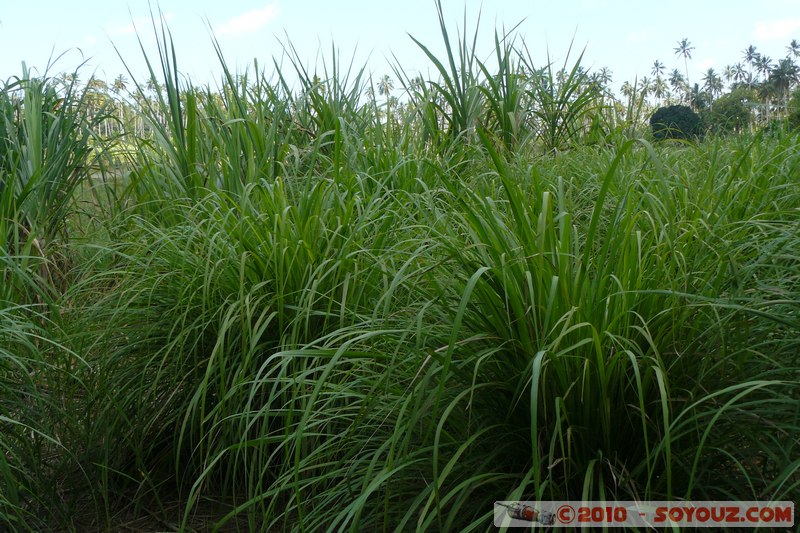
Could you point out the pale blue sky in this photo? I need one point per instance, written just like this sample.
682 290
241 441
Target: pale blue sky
624 35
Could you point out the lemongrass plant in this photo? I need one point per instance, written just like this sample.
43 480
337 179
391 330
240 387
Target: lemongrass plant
308 318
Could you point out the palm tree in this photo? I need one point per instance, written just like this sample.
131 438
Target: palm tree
120 84
63 80
71 80
728 73
712 84
96 96
601 80
764 66
385 86
369 91
658 69
658 83
750 54
152 85
561 75
627 89
684 49
782 77
644 86
740 74
697 98
793 49
767 91
318 85
660 89
141 104
604 77
677 82
750 57
96 89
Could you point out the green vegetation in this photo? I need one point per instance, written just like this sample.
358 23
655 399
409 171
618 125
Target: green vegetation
675 122
731 113
317 309
794 105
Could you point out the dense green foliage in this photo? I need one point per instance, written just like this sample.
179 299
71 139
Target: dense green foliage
301 310
794 113
675 122
44 153
731 112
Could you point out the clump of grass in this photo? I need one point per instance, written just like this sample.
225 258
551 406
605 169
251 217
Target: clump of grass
309 318
37 377
46 154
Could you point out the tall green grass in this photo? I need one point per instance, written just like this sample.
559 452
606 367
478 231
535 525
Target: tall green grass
303 317
46 153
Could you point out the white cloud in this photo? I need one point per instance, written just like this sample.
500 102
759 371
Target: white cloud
248 22
776 30
137 23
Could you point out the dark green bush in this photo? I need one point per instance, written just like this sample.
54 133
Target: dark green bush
675 122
